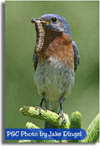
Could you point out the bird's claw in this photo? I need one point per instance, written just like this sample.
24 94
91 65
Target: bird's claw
39 108
61 115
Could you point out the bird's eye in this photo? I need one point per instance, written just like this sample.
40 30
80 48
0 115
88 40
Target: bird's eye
54 19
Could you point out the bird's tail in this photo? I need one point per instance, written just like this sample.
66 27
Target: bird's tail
53 106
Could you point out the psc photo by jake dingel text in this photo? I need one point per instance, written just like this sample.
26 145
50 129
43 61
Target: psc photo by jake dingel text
45 134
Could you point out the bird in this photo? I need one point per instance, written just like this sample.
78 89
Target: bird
55 63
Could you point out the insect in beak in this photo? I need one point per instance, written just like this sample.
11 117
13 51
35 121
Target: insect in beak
36 20
40 20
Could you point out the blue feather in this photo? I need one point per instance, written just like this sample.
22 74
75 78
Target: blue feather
76 55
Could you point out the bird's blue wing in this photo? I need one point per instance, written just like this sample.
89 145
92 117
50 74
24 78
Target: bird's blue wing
76 55
35 60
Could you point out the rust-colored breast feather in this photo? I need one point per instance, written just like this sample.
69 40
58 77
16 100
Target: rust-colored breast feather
58 46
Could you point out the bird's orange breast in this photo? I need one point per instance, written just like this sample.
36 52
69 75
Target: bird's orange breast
58 46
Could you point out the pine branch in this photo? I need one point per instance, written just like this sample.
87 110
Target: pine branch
93 131
75 122
30 125
52 118
46 115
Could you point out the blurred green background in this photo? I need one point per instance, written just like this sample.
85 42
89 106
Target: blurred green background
83 18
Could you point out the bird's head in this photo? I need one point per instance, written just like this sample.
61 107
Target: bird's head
54 22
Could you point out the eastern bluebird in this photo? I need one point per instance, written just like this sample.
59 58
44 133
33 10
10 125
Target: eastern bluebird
55 60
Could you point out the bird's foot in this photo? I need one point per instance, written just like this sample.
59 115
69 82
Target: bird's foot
61 115
38 108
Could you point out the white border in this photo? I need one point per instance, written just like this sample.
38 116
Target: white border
99 69
45 146
52 0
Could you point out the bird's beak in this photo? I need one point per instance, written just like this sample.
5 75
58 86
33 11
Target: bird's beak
40 20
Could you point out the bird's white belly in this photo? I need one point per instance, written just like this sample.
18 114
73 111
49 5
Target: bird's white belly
54 79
